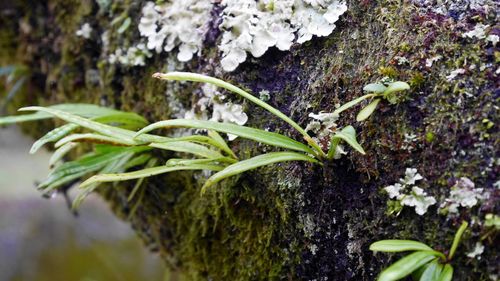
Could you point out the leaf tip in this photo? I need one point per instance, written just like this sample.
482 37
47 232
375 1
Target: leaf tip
158 75
29 108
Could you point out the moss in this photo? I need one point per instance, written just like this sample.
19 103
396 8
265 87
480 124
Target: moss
296 221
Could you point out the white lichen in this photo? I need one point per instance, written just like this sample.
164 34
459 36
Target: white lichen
323 126
455 73
179 23
493 39
133 56
429 62
401 60
226 112
85 31
478 32
418 199
264 95
407 194
255 26
463 194
409 141
411 177
458 9
248 26
229 113
478 250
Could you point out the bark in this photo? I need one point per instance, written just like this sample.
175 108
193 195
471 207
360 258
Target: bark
294 221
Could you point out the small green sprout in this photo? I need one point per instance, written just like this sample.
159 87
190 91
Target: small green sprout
424 263
492 220
379 91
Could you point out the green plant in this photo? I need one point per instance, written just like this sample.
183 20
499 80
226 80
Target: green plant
120 148
385 89
15 75
424 263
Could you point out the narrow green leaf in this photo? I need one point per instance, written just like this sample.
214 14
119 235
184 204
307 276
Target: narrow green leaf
416 274
255 162
92 138
187 147
149 172
446 274
112 167
406 265
70 171
125 120
80 109
353 103
432 272
151 163
127 136
367 110
222 143
121 119
186 76
334 143
396 87
15 89
92 162
375 88
204 140
184 162
125 25
52 136
244 132
5 70
399 246
138 160
348 134
122 134
456 239
60 152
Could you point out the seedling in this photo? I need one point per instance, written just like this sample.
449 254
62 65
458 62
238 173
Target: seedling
381 90
424 263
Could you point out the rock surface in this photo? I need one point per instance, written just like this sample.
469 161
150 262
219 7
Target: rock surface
296 221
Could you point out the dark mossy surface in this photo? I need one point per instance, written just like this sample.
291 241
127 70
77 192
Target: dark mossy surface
294 221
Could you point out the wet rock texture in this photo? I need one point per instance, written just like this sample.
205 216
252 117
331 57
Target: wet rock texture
295 221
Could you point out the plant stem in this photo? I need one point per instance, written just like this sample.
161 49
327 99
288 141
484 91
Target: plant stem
187 76
456 240
333 148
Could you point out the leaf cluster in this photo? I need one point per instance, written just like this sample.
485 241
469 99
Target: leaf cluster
424 263
122 141
378 91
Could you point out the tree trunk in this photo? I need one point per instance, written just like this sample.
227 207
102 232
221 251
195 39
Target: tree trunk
295 221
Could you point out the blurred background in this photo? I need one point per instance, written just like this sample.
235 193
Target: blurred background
40 239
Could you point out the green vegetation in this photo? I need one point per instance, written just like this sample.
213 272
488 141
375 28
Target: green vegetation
424 263
15 77
118 148
385 89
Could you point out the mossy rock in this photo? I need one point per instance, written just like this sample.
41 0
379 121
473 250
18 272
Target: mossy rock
294 221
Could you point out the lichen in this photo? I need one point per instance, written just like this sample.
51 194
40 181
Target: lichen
85 31
176 24
255 26
407 194
247 26
250 228
463 194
